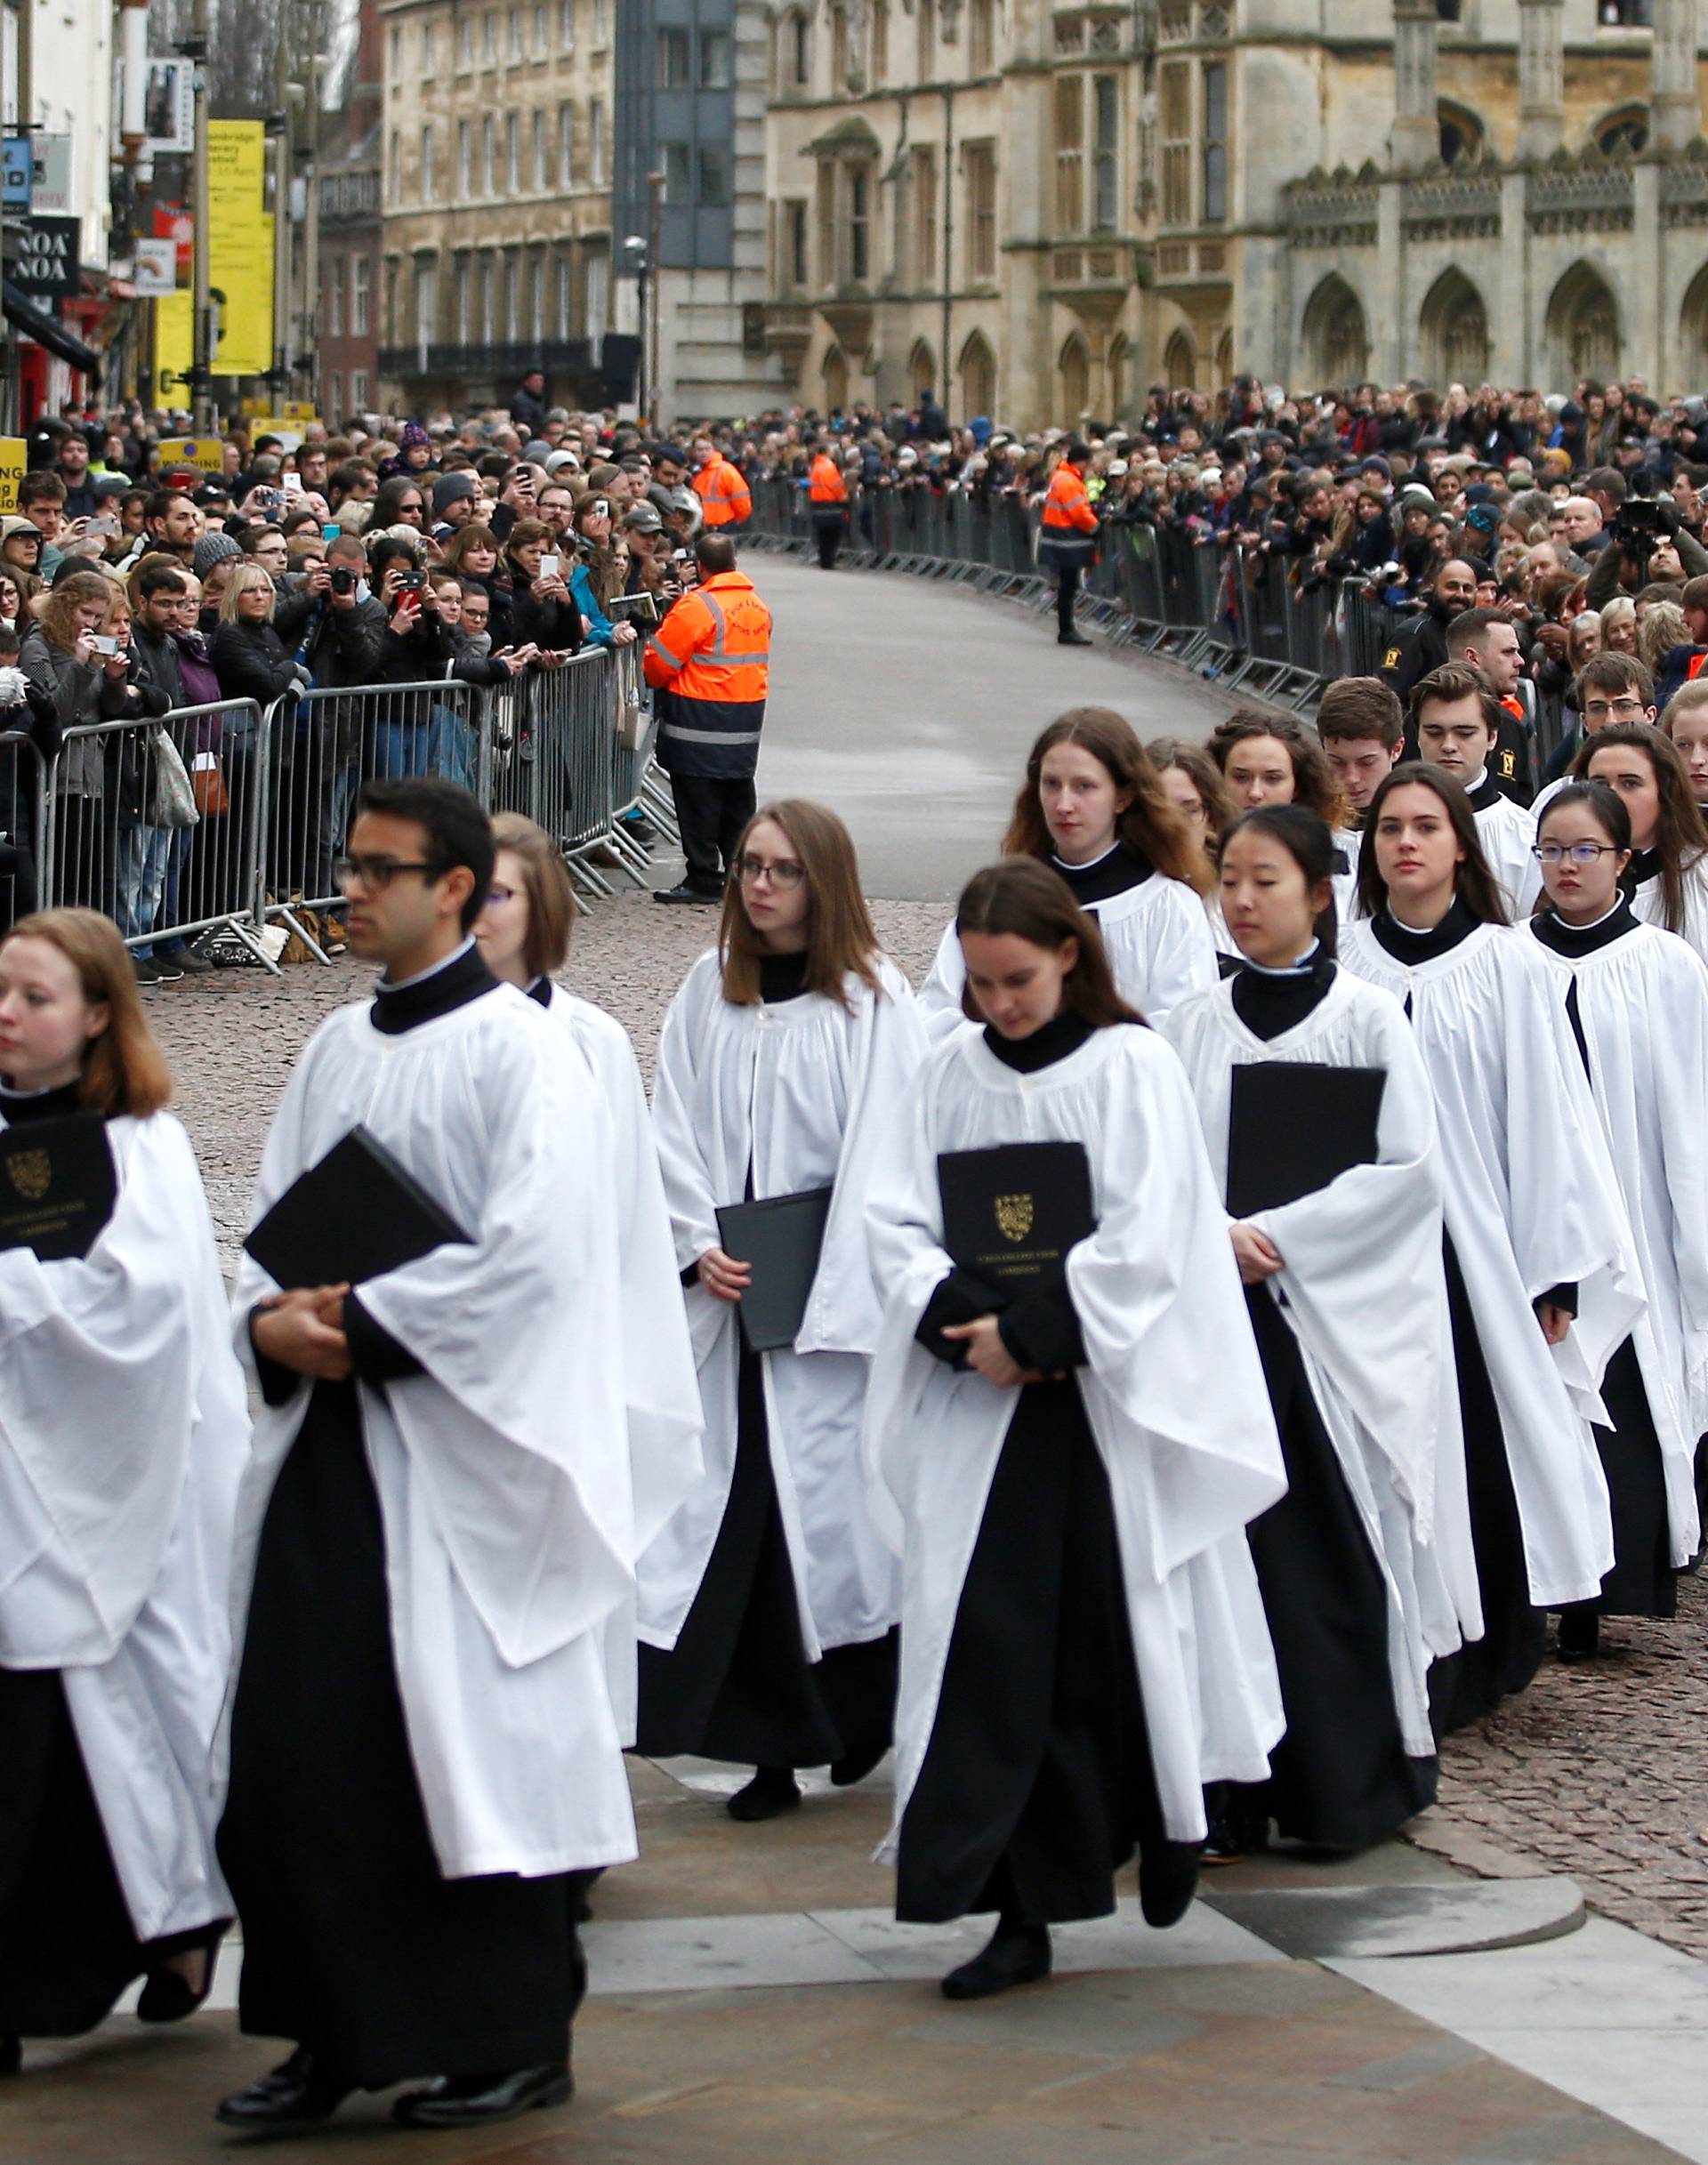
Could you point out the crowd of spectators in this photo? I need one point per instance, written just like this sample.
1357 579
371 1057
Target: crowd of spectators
497 546
1579 519
389 555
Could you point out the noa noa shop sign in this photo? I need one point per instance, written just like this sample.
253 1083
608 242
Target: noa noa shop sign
44 256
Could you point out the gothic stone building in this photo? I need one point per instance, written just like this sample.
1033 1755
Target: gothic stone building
1039 209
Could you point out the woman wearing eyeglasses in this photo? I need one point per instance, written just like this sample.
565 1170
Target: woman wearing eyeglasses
767 1605
1541 1289
1637 1001
1667 878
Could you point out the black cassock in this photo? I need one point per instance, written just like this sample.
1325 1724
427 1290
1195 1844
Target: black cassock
1340 1776
355 1944
737 1684
67 1950
1037 1782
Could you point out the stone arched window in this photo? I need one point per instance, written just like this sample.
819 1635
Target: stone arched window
1582 329
1336 335
835 379
1074 369
1454 331
1181 361
979 377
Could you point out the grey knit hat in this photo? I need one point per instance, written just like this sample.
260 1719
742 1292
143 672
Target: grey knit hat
210 550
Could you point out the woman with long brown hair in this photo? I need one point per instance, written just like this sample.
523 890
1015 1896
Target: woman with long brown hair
1092 808
1063 1457
123 1436
1268 758
783 1057
1533 1253
1667 878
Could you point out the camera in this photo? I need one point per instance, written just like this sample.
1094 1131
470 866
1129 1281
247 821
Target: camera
1637 516
341 579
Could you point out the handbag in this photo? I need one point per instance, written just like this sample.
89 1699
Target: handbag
175 800
207 779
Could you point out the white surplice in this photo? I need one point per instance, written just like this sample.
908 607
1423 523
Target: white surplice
502 1470
799 1093
1642 1004
124 1433
1508 834
660 1388
1363 1291
1530 1204
1649 903
1171 1388
1158 940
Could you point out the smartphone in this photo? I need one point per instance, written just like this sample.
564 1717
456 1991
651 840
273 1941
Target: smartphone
551 566
104 523
602 509
106 648
292 484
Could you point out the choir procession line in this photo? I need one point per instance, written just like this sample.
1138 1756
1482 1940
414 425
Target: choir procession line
1158 1380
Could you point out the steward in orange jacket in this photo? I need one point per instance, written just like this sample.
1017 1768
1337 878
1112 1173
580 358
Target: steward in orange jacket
725 498
1069 541
828 493
709 663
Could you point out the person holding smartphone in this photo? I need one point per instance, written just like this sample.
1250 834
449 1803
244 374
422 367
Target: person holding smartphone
544 612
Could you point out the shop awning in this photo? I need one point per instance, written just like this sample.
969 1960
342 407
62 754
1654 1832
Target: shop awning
47 330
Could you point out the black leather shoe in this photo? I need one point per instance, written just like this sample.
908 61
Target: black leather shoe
12 2055
1168 1879
1580 1634
481 2101
686 894
1016 1954
855 1766
1072 639
772 1791
168 1996
292 2095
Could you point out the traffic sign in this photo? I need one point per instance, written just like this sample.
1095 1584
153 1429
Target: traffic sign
205 454
11 470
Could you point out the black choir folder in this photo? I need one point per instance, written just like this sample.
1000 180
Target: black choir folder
1010 1214
781 1236
1293 1126
57 1186
356 1214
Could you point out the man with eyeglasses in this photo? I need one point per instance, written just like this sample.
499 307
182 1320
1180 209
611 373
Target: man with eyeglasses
1609 687
424 1760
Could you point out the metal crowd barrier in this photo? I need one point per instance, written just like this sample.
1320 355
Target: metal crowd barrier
242 831
166 865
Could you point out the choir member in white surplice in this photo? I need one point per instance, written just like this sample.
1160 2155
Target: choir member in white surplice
1457 721
1541 1284
767 1603
523 936
435 1531
1365 1565
1668 873
123 1435
1637 1001
1093 806
1068 1469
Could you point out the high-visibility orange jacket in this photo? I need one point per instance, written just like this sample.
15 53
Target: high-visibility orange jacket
825 482
725 498
1070 522
710 658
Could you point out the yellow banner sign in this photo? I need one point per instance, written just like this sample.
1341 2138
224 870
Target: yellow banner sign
11 470
205 454
174 348
240 247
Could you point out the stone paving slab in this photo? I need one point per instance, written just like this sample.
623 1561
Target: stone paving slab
1266 2065
1352 1921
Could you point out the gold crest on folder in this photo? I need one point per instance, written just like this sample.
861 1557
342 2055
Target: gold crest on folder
32 1173
1014 1217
